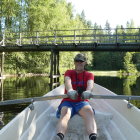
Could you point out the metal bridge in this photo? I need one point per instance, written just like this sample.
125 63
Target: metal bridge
119 39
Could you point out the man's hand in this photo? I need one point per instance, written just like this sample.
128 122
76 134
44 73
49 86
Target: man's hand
72 94
86 95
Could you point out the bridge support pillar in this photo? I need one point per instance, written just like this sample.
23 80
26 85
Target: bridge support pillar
54 69
2 64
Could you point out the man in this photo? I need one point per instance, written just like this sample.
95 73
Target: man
78 86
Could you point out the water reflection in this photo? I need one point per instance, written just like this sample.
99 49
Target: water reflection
128 85
114 84
18 88
1 99
128 82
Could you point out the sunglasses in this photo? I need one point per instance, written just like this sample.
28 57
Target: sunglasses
79 61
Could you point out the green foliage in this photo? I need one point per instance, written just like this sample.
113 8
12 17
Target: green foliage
136 60
44 15
128 64
38 15
108 60
129 81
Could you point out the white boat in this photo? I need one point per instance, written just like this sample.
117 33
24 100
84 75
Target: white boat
115 121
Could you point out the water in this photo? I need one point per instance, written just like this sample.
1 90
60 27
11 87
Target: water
18 88
25 87
121 86
124 86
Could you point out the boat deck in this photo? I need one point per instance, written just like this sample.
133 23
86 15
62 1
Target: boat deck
114 120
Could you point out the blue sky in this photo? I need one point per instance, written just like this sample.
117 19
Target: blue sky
115 11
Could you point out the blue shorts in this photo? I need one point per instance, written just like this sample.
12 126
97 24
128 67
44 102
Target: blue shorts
74 106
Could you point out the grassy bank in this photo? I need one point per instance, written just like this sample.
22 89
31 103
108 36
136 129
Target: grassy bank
106 73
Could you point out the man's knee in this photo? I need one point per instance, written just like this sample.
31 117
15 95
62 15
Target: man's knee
65 113
86 111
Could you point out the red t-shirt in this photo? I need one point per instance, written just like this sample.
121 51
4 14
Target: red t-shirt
78 80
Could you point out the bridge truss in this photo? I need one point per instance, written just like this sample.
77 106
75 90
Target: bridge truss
119 39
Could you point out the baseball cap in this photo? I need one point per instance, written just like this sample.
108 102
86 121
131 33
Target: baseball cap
80 57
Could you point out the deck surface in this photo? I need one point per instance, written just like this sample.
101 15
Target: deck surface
114 121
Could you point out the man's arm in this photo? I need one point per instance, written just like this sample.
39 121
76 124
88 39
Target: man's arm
90 84
68 84
70 92
88 93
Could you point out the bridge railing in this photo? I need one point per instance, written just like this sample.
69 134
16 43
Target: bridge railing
118 35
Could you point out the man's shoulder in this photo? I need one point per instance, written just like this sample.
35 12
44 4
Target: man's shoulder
69 72
90 73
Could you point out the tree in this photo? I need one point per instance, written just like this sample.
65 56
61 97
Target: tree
37 15
136 60
128 64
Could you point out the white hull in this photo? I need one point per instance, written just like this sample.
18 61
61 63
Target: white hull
114 120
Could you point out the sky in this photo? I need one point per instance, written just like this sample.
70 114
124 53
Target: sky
117 12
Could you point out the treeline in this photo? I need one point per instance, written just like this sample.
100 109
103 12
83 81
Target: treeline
43 15
125 61
37 15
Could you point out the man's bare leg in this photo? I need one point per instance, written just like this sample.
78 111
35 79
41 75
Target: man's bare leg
63 123
88 115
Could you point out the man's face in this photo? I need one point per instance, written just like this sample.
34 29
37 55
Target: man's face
79 65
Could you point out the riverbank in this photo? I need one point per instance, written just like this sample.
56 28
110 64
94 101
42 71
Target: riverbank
24 75
96 73
115 73
106 73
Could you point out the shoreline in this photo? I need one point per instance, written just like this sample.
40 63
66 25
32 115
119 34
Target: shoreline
106 73
96 73
24 75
